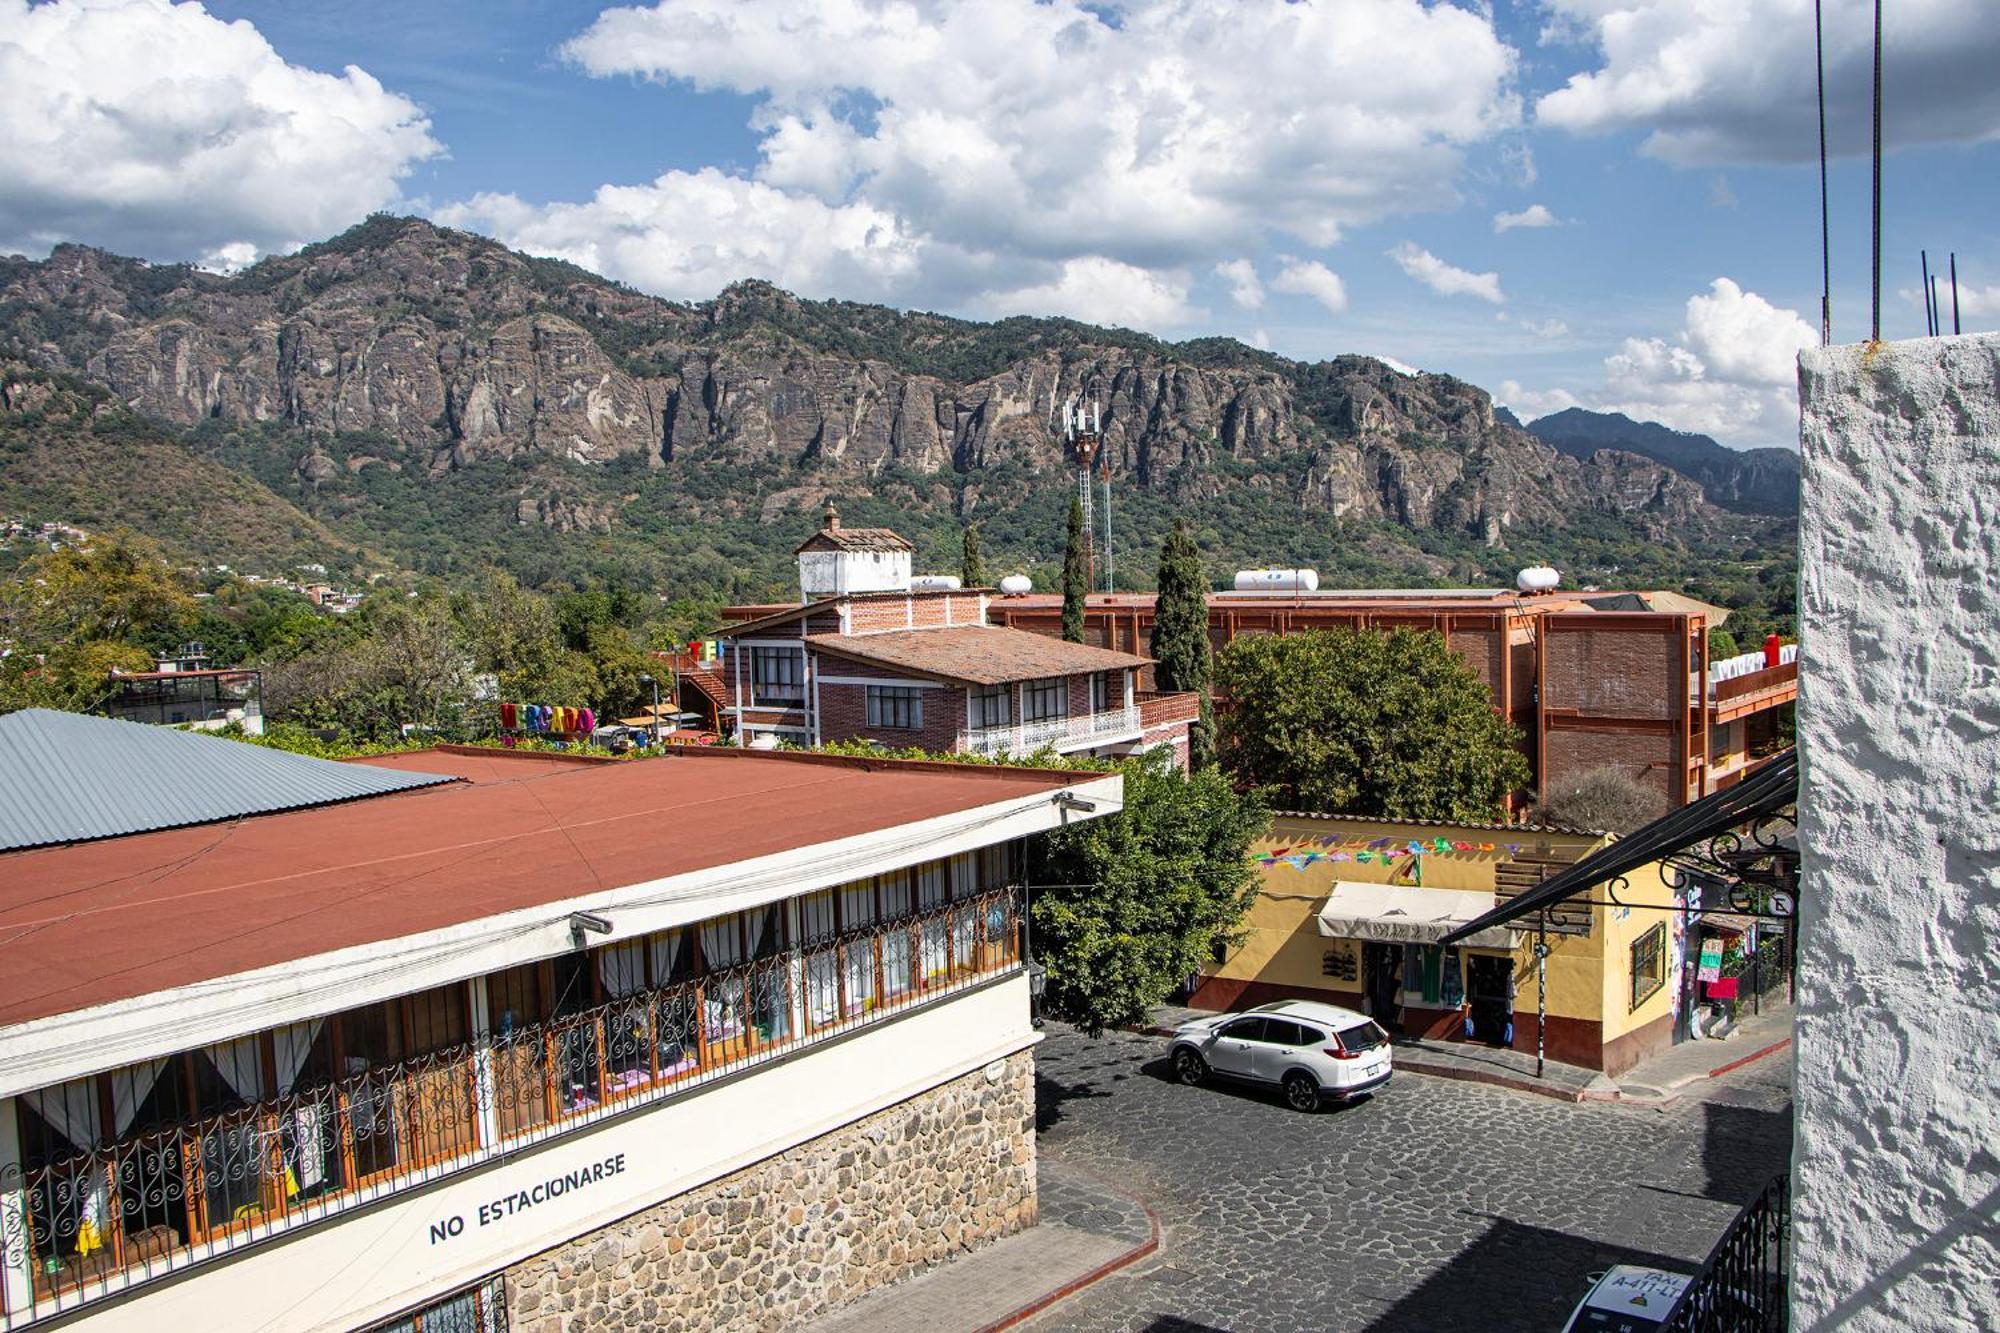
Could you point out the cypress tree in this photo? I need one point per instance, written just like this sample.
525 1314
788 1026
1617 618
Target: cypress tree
971 564
1180 636
1075 577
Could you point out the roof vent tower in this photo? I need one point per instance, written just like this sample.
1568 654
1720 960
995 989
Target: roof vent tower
836 561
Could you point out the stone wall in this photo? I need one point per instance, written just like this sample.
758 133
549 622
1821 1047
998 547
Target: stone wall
782 1241
1895 1170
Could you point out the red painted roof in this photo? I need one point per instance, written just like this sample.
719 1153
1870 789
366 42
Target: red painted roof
91 923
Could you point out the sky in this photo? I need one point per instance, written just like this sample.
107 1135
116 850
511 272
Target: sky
1603 203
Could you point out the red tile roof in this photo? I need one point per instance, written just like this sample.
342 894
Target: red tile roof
974 654
91 923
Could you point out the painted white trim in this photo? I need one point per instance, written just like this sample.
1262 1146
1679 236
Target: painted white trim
16 1283
91 1040
887 680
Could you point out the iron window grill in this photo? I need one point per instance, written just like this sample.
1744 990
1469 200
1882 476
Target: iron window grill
898 707
1649 964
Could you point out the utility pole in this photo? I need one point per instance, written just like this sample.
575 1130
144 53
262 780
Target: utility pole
1541 990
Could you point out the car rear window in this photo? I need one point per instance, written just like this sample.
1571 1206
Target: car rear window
1363 1037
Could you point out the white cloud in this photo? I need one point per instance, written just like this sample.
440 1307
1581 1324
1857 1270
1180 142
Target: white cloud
1731 372
1974 303
1529 404
1102 291
1400 367
1541 328
1244 288
157 129
1534 215
1445 279
689 234
1312 278
1734 82
1260 339
1153 136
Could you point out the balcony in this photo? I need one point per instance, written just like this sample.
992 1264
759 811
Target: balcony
1741 685
1056 733
1159 708
77 1229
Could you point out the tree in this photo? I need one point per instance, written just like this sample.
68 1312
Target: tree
1392 726
1134 902
1183 659
75 615
971 563
1605 799
1075 576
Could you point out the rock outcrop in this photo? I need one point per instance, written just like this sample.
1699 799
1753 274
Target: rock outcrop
460 351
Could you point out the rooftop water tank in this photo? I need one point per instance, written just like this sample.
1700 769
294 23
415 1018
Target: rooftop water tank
1537 578
936 583
1016 585
1277 580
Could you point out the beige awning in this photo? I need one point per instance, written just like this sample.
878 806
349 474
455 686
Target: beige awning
1407 914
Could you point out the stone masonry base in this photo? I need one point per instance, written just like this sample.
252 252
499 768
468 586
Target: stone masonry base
784 1240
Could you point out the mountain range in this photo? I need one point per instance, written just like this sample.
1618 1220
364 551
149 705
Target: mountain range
1751 481
409 395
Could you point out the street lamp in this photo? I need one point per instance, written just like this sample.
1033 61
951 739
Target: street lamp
656 706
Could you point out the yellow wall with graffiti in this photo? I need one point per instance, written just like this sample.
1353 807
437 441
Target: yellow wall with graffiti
1648 895
1283 948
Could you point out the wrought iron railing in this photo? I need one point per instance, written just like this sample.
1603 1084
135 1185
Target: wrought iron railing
1742 1288
145 1205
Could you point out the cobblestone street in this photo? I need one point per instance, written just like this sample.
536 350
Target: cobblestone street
1435 1205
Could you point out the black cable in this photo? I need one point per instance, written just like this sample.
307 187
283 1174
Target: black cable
1825 228
1875 294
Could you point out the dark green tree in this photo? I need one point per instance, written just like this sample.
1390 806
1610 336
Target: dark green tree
1393 726
971 563
1135 901
1075 575
1180 636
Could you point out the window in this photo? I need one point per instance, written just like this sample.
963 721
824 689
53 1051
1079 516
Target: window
990 707
778 677
895 706
1246 1029
1649 964
1045 699
1101 692
1365 1037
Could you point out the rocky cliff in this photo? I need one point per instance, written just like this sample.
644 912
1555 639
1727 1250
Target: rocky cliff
459 350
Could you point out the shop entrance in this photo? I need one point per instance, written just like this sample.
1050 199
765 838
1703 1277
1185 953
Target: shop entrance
1489 991
1382 983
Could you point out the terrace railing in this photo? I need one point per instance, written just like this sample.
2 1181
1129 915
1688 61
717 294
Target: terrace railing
1054 732
1742 1286
96 1223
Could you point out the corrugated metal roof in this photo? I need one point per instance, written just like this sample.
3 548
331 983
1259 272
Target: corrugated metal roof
69 777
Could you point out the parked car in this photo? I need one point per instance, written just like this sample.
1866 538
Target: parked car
1628 1299
1307 1049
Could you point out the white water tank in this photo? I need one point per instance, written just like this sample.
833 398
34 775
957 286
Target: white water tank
1277 580
936 583
1537 578
1016 585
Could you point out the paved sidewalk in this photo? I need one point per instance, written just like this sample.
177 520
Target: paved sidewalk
1654 1082
1087 1231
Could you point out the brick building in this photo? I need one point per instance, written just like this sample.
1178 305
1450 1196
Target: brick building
925 667
1618 679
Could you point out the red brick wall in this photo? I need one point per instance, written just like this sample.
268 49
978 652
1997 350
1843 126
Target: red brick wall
1615 671
843 715
1482 650
1653 759
917 610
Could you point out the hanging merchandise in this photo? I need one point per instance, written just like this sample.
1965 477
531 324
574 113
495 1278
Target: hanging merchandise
1710 966
507 717
1722 988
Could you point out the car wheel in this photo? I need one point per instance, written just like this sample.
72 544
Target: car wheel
1301 1093
1190 1068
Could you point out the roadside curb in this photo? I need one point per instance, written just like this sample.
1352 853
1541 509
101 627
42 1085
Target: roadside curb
1151 1245
1516 1082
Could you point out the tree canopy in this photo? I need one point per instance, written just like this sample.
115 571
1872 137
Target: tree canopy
1606 800
1129 905
1392 726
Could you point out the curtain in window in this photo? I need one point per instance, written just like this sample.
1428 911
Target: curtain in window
762 930
816 917
931 890
71 1110
1454 978
964 875
720 945
857 905
309 1146
667 948
129 1088
822 988
895 896
895 963
241 1064
857 961
622 968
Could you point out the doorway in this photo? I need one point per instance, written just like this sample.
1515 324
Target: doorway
1489 991
1382 983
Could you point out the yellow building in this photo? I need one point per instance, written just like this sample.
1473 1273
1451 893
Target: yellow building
1350 911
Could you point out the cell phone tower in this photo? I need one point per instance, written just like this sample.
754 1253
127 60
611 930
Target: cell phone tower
1083 429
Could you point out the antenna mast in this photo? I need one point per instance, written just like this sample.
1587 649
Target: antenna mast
1083 429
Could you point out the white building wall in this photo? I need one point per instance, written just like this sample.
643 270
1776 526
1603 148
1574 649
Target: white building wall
1896 1164
375 1262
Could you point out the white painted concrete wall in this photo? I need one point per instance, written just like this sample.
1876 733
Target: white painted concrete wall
376 1262
1896 1163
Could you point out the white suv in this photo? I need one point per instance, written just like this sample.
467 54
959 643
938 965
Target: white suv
1308 1049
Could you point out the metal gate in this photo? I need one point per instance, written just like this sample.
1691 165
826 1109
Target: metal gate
1742 1286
